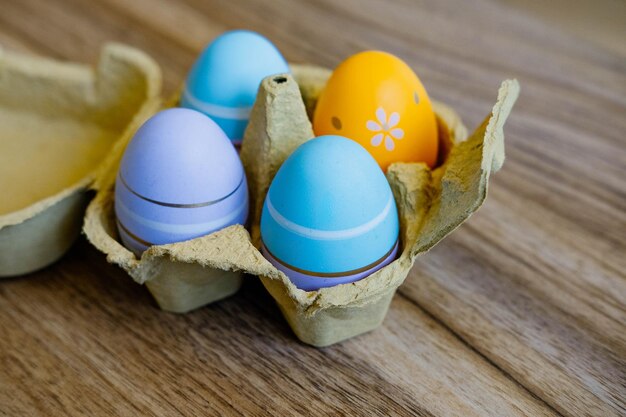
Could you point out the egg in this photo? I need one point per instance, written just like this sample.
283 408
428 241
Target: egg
377 100
329 216
180 177
224 81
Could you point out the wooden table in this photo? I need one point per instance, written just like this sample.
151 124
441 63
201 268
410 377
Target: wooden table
521 311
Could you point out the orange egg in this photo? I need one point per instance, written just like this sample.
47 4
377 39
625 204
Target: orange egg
375 99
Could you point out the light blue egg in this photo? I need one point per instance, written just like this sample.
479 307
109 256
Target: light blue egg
330 211
224 81
180 178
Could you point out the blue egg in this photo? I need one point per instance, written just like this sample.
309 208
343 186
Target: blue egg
180 178
224 81
329 216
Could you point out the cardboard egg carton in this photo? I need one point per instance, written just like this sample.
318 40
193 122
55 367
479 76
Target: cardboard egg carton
186 275
57 124
431 204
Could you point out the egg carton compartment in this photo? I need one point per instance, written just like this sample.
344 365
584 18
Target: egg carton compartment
187 275
431 203
58 122
180 276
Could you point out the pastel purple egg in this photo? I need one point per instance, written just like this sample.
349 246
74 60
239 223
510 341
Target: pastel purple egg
180 178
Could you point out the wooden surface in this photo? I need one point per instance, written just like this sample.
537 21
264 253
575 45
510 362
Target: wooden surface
521 311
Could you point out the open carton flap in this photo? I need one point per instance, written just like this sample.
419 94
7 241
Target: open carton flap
59 121
44 91
463 187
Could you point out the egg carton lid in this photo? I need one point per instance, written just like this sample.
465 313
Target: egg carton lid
45 101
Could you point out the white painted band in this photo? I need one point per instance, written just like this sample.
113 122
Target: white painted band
232 113
184 228
320 234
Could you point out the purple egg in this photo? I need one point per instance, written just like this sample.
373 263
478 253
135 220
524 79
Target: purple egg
180 178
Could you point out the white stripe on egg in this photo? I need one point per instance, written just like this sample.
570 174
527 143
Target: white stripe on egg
320 234
232 113
184 228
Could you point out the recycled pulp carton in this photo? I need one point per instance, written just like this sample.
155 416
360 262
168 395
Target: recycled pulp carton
57 124
432 203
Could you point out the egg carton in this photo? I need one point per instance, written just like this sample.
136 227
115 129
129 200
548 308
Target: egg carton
57 123
186 275
431 203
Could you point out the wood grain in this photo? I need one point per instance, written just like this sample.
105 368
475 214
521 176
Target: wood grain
522 311
83 339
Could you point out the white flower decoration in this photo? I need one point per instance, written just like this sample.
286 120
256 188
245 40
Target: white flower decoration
385 129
